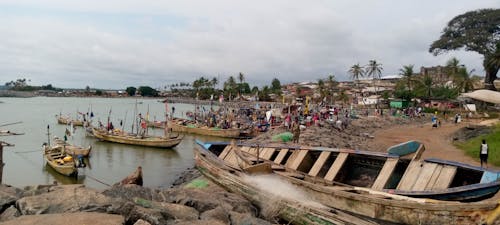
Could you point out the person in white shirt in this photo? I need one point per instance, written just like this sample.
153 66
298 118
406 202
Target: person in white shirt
483 153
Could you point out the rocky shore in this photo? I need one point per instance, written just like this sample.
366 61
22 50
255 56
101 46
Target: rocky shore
196 202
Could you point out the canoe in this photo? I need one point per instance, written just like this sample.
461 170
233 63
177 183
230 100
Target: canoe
8 133
54 156
348 180
293 210
187 126
72 149
149 141
66 120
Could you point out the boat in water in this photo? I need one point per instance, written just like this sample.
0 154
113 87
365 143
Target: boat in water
72 149
189 126
133 139
381 186
61 162
67 120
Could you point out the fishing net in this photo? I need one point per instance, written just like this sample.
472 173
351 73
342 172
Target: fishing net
285 137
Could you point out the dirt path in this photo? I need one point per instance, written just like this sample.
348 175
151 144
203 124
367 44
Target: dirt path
437 141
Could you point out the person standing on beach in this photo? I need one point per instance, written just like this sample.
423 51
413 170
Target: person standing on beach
483 153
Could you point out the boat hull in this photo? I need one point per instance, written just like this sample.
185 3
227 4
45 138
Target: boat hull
228 133
67 168
156 142
66 121
387 207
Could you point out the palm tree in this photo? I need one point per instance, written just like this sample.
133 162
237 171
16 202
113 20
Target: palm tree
374 70
321 87
356 72
464 80
425 84
214 82
241 77
453 65
331 84
407 73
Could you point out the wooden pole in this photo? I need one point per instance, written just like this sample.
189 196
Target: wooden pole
1 158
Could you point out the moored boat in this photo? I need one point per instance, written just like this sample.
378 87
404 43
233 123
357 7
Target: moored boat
372 184
73 149
66 120
149 141
59 160
188 126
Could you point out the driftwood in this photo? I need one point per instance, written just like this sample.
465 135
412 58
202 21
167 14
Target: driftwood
133 178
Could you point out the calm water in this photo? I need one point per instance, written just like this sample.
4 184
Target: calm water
109 162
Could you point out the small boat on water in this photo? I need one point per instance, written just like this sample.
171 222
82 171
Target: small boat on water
8 133
59 160
188 126
382 186
132 139
73 149
67 120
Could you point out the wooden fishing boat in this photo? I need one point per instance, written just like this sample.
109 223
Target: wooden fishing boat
382 186
131 139
73 149
8 133
188 126
59 160
296 212
66 120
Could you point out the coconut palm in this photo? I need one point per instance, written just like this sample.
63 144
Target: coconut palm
241 77
425 85
356 72
464 81
453 66
214 82
374 70
407 73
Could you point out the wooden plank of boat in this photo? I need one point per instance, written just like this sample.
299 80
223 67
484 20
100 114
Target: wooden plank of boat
245 148
319 163
385 173
337 165
425 176
281 155
267 153
296 159
434 177
224 152
410 176
445 177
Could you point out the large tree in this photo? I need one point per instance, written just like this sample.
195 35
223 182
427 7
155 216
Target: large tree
407 73
477 31
356 72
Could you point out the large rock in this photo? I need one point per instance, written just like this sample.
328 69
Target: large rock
8 196
206 197
169 210
216 214
246 219
141 222
130 191
80 218
66 199
150 215
199 222
9 214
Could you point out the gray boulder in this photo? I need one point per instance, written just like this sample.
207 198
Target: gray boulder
130 191
199 222
246 219
9 214
66 199
8 196
218 213
80 218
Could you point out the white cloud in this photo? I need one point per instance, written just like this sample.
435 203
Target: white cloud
112 44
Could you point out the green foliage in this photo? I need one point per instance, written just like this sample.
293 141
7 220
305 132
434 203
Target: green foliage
276 86
147 91
264 94
204 88
131 91
475 31
471 147
255 89
98 92
356 72
374 69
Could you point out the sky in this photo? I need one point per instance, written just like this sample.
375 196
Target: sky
113 44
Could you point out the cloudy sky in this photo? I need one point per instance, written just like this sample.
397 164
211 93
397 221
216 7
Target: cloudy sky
119 43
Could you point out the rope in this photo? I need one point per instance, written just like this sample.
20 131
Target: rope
20 152
95 179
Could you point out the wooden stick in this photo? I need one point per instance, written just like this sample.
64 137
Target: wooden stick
7 124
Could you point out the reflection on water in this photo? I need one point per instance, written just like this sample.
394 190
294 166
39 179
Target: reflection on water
109 162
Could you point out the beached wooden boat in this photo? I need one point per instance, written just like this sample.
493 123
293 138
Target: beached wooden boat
66 120
132 139
377 185
59 160
73 149
295 211
188 126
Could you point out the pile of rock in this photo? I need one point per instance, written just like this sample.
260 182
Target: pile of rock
125 204
356 135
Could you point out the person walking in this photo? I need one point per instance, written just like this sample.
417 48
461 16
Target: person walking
483 153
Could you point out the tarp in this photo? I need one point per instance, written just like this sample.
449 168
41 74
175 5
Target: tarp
484 95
